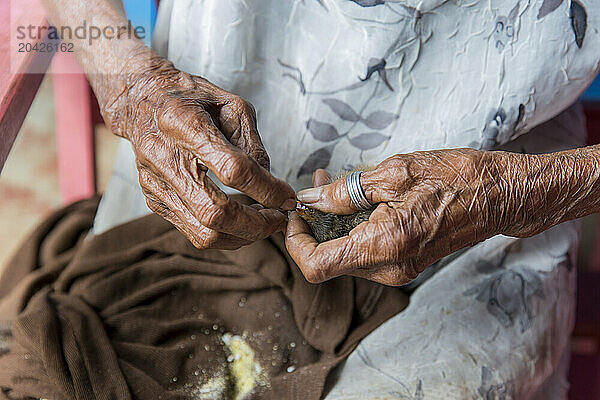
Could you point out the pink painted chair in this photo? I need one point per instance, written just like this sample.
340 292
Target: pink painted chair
18 86
76 109
73 101
74 113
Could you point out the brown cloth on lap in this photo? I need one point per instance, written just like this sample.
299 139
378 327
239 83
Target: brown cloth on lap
139 313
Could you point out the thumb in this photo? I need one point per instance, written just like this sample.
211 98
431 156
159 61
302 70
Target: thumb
334 198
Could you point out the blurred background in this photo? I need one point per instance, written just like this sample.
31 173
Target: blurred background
29 182
29 188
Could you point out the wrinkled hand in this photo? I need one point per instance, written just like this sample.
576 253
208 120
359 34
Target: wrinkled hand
181 126
429 204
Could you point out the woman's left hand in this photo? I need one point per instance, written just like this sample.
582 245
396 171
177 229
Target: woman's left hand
429 204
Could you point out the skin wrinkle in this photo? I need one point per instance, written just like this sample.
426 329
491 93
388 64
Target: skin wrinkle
169 116
482 199
174 210
433 203
450 199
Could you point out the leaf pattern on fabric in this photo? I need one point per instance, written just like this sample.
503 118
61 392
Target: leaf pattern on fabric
380 120
512 16
578 22
377 65
488 390
322 4
322 131
368 141
316 160
508 293
293 73
368 3
547 7
343 110
419 393
405 392
334 131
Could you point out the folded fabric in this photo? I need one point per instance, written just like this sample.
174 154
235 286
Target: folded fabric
139 313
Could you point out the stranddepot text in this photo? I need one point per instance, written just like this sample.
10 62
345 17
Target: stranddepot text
81 32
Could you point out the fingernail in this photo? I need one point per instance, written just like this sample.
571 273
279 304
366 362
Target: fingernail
289 204
310 195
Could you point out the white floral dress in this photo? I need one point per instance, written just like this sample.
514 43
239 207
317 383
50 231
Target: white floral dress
338 83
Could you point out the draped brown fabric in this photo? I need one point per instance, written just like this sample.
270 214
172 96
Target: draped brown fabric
139 313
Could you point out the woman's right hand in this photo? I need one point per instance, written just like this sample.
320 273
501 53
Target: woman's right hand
181 126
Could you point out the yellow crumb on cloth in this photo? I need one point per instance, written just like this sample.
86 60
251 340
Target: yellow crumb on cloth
240 375
245 370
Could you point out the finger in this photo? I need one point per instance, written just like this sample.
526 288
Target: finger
214 210
173 210
261 207
391 275
307 252
237 121
370 245
232 166
321 177
334 197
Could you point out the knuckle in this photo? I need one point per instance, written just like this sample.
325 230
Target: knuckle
178 116
338 192
169 116
311 276
396 164
312 273
186 81
397 277
208 239
214 217
151 152
243 108
143 157
195 240
151 204
234 170
155 206
248 108
145 179
262 158
239 104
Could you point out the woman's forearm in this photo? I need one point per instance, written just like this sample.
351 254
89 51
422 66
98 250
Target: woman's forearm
540 191
110 61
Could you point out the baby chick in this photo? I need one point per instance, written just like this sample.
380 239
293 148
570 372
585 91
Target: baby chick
326 226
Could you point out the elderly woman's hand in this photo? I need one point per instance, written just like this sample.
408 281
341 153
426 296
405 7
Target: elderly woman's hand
429 204
181 126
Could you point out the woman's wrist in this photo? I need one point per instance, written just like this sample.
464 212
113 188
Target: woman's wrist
139 77
540 191
113 60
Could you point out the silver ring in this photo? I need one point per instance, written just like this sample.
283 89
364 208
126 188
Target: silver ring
356 193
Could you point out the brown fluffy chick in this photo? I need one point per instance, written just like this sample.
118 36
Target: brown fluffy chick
326 226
